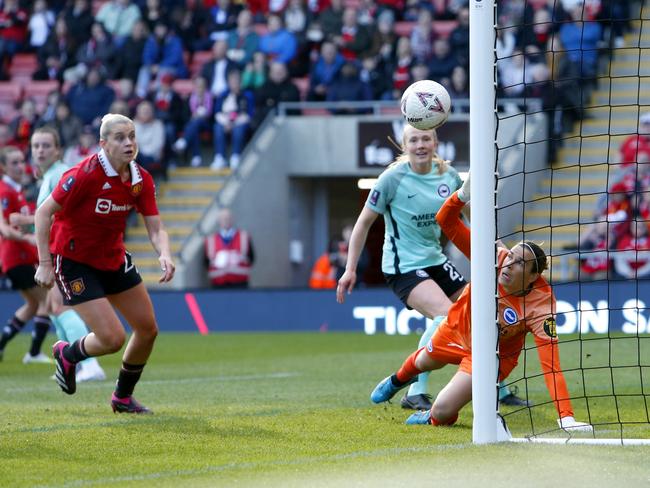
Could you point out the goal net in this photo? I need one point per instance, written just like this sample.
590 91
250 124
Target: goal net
571 146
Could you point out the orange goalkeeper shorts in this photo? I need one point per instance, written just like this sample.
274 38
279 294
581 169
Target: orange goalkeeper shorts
449 346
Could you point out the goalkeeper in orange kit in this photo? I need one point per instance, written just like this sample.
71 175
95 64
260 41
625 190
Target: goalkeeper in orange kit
526 303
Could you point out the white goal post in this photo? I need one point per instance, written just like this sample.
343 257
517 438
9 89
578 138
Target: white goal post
482 137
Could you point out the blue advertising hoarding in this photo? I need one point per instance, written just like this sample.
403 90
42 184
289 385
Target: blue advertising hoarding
596 307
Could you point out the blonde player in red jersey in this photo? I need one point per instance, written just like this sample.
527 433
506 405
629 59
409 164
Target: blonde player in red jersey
84 251
526 304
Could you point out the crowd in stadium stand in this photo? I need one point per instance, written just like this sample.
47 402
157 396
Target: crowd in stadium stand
617 244
283 50
195 74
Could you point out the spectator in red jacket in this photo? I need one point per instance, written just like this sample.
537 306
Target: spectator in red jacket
637 146
13 31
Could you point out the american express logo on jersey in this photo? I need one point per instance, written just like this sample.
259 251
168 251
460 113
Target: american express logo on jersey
424 220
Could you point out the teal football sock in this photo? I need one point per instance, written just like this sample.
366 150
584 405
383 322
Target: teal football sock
421 386
504 391
60 331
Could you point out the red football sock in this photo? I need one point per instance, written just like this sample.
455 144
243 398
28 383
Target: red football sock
450 421
408 370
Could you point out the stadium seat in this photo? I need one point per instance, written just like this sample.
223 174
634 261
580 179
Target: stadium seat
403 28
316 111
198 60
183 87
442 28
23 66
39 90
390 110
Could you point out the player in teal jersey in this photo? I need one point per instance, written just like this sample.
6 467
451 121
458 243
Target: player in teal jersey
46 149
409 194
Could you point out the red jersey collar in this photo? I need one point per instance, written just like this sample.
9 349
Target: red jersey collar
16 186
136 176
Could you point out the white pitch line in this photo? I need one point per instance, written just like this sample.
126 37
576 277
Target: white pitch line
228 466
100 384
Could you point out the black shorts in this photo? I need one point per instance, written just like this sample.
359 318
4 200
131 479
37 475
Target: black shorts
22 277
446 276
81 283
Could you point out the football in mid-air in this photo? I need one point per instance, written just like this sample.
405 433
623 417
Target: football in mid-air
426 104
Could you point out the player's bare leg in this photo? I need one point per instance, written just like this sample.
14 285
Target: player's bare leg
107 336
428 299
136 307
454 396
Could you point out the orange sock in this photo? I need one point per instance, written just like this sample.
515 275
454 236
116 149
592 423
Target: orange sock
408 371
451 421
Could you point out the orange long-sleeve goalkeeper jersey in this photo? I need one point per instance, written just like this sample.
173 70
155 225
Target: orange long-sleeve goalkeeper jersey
518 315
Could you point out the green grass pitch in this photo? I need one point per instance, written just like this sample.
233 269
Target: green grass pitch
285 410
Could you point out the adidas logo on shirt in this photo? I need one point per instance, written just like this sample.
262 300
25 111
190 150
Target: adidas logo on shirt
107 186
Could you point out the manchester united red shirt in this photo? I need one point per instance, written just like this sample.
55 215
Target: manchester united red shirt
95 204
14 253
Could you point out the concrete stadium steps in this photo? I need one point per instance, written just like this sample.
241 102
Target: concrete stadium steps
560 210
182 199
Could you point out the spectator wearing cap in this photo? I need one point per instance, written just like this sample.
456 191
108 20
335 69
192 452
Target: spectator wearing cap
636 148
162 54
118 16
90 98
216 70
243 41
278 43
85 146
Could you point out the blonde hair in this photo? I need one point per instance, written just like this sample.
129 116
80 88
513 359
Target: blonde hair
109 121
440 163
